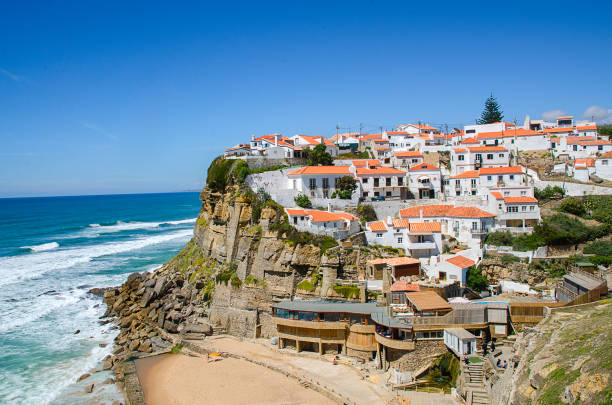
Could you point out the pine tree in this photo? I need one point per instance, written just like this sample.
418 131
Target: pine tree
492 112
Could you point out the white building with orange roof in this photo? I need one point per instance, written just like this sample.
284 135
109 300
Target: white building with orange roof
238 150
515 138
467 224
500 177
337 224
382 182
425 181
575 147
474 130
346 142
583 168
475 157
603 166
418 129
309 142
274 146
450 270
407 159
418 239
319 181
463 184
514 213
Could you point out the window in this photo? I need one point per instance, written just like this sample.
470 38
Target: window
604 162
524 208
523 193
365 193
388 181
478 157
379 235
457 183
500 178
376 182
388 194
470 131
499 206
532 208
600 147
501 155
506 193
473 183
512 177
313 184
364 180
399 240
461 157
490 156
474 225
325 182
376 194
442 275
512 209
420 239
400 181
489 178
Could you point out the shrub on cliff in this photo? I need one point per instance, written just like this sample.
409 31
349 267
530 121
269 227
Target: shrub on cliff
318 156
303 201
366 213
224 172
573 206
475 280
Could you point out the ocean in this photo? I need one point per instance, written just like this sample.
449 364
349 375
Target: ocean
52 251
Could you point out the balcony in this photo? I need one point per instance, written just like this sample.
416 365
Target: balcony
520 215
479 231
421 245
394 343
310 324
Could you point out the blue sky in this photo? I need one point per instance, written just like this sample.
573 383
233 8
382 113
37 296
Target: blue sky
139 97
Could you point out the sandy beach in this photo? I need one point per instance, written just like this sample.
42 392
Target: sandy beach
182 380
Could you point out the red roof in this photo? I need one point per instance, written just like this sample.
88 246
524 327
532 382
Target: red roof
509 133
469 141
424 166
461 261
606 155
381 148
395 261
316 140
588 162
501 170
497 195
578 139
378 226
403 285
400 223
321 216
425 227
568 117
398 133
587 128
428 211
519 200
487 149
460 150
596 142
370 162
380 140
554 130
321 170
469 212
410 153
466 175
362 171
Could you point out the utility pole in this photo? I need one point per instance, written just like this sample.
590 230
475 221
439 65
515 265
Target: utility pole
337 128
360 128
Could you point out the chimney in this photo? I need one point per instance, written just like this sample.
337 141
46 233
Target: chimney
421 215
276 140
389 221
329 208
252 137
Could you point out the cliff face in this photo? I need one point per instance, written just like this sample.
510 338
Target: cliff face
237 265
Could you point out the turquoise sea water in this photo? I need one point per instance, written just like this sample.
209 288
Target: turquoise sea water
52 251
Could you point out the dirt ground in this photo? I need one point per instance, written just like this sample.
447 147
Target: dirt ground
183 380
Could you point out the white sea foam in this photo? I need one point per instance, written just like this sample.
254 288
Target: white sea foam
95 230
14 269
180 222
42 247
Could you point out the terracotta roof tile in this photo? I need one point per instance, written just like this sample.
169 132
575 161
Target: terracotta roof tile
410 153
606 155
403 285
501 170
362 171
487 149
395 261
425 227
468 141
378 226
424 166
461 261
370 162
428 211
321 170
322 216
469 212
497 195
466 175
400 223
520 200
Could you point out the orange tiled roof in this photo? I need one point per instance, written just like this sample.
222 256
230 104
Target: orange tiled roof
469 141
501 170
410 153
378 226
381 148
588 162
424 166
460 150
487 149
380 140
578 139
398 133
400 223
403 285
554 130
469 212
425 227
497 195
519 200
509 133
322 216
466 175
316 140
366 162
368 137
587 127
362 171
238 147
569 117
461 261
606 155
595 142
428 211
321 170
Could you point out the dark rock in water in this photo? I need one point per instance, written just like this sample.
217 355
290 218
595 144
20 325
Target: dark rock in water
108 381
89 388
102 344
83 376
77 331
50 292
105 321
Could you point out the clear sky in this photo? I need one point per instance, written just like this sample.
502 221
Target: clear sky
139 97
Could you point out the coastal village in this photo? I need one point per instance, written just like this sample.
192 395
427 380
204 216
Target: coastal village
415 256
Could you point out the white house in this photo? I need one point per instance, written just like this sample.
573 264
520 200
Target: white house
474 130
581 146
450 270
460 341
418 239
475 157
583 168
407 159
336 224
514 213
500 177
516 138
399 140
418 129
274 145
463 184
238 150
318 181
379 182
309 142
348 142
425 181
467 224
603 166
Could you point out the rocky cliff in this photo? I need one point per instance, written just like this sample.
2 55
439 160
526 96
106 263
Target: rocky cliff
244 257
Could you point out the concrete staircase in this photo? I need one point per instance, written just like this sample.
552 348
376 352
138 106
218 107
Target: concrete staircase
218 330
477 393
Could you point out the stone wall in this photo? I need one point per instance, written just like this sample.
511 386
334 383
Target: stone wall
425 350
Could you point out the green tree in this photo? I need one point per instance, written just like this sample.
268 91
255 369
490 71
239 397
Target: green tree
303 201
347 183
319 156
475 280
573 206
492 111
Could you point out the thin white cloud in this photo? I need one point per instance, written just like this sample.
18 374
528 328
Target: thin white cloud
552 115
14 77
598 114
99 130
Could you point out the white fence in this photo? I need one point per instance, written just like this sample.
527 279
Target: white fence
539 253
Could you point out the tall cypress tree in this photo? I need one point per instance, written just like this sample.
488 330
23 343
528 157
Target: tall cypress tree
492 111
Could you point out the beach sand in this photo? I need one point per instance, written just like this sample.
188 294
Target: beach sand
182 380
